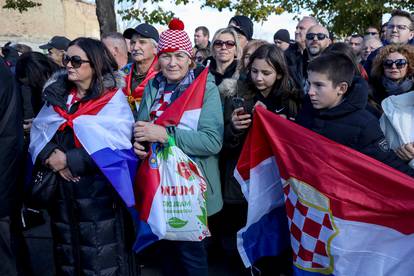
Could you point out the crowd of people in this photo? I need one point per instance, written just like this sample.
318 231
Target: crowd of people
335 88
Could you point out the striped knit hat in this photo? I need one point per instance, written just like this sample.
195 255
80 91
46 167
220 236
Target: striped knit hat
175 39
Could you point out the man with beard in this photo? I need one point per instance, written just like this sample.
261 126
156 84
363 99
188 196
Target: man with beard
357 44
143 45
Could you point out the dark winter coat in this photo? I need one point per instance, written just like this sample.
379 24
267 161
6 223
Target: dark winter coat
234 139
350 124
297 64
91 231
11 140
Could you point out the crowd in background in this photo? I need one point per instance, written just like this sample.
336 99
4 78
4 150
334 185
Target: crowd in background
335 88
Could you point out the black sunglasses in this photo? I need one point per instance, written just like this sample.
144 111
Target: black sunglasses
371 33
76 61
399 63
228 43
320 36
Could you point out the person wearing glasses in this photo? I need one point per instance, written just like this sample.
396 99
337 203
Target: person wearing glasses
201 55
392 71
372 31
399 30
226 53
56 48
90 226
317 40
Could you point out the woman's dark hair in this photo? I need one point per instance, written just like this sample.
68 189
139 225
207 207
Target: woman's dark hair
34 69
275 57
346 49
100 60
282 87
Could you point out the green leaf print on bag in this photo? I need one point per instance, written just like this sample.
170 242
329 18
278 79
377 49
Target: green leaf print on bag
176 222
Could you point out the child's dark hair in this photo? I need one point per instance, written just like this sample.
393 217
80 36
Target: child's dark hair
336 66
275 57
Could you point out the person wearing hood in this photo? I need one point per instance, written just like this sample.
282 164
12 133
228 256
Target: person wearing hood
244 28
335 108
392 71
90 226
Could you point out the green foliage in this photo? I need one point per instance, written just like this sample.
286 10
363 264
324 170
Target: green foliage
342 17
20 5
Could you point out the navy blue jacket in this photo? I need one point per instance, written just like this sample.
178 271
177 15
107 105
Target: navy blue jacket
350 124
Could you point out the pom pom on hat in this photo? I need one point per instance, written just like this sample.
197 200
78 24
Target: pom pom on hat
175 39
176 24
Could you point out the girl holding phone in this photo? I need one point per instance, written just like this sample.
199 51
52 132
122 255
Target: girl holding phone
268 85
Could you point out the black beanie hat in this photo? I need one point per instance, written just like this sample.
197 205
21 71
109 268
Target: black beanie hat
282 35
243 25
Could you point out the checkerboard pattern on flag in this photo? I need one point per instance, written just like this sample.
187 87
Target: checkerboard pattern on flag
310 230
347 214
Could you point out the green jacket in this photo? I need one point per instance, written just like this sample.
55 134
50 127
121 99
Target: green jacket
203 145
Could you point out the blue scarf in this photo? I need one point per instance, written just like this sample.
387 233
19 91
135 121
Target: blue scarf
397 88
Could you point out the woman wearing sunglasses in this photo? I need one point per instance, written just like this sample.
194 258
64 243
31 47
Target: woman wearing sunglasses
395 89
393 71
226 52
88 218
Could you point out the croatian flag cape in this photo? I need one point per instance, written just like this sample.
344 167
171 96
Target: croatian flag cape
103 127
347 213
183 113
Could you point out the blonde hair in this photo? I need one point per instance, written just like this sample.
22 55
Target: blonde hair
236 39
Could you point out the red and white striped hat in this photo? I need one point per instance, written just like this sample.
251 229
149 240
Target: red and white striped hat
175 39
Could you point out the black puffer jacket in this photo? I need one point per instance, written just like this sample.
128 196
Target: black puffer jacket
350 124
91 231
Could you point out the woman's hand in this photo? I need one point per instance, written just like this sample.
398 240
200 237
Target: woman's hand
139 150
67 175
259 103
406 152
149 132
57 160
239 120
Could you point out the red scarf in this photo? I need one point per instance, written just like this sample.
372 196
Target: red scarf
136 95
91 107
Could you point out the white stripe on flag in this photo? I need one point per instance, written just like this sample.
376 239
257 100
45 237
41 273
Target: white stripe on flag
371 250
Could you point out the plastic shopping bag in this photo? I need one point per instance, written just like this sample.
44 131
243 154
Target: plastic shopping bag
183 190
397 121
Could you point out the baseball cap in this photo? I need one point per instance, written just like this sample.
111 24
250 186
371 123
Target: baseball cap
145 30
58 42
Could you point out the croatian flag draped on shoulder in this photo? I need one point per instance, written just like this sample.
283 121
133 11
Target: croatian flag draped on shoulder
103 127
347 213
168 186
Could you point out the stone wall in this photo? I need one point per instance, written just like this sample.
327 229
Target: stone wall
71 18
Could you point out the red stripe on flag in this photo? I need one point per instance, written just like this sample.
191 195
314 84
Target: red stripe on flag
359 187
192 98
